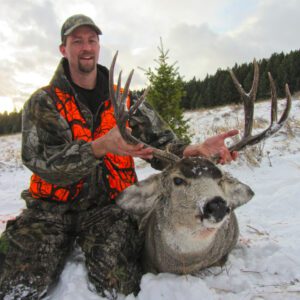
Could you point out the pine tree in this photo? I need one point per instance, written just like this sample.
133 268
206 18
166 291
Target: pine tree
166 92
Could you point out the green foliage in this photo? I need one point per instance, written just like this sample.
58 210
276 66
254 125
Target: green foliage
166 93
10 122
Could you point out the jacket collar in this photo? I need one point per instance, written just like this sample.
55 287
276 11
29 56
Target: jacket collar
60 79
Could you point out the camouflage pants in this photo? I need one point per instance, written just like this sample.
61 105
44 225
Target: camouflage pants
34 247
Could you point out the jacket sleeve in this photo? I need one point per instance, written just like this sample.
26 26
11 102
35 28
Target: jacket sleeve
48 148
148 126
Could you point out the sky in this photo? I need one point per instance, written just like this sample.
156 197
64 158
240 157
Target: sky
201 36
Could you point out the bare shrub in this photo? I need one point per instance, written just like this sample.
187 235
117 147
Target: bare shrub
254 155
260 123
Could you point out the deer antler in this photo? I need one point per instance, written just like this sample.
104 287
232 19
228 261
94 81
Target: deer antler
248 99
122 114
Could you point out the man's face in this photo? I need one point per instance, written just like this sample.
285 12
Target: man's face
82 49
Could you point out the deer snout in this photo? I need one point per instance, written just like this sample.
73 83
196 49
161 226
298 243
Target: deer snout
215 209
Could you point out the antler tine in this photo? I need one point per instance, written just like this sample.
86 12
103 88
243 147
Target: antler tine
125 93
249 139
288 106
248 98
139 102
119 103
254 87
122 115
111 85
118 90
127 84
274 104
237 83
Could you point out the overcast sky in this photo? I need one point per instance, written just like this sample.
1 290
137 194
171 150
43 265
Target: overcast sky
201 35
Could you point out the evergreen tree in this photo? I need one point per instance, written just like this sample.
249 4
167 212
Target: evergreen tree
166 92
228 93
191 94
264 84
10 122
264 90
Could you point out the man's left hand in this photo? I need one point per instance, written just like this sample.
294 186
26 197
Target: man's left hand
213 147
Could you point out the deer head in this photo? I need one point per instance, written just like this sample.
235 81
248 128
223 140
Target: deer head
193 192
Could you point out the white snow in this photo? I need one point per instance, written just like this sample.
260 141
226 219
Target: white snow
265 264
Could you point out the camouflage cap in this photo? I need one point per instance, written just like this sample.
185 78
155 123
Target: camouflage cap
76 21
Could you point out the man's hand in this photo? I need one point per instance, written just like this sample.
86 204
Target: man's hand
113 142
213 147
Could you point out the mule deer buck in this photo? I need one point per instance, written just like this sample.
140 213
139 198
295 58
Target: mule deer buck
187 210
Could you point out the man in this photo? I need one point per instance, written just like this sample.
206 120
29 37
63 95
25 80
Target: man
80 163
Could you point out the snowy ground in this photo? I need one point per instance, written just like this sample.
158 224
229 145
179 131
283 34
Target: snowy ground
266 262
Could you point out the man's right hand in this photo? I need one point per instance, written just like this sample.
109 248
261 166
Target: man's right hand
112 142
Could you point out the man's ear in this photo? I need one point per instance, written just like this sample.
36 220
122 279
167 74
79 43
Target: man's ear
139 198
62 49
236 192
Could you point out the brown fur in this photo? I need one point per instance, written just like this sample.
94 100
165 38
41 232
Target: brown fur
169 205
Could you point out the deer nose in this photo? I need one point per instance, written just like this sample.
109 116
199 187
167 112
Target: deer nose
216 208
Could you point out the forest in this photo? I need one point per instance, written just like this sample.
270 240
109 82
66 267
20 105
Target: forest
10 122
217 89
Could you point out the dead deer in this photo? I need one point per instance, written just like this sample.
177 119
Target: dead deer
187 211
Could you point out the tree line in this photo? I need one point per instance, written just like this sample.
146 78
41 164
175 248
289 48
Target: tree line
214 90
218 89
10 122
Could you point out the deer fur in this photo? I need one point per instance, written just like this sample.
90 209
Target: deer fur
187 215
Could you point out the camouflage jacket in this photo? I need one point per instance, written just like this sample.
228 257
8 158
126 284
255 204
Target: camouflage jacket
49 150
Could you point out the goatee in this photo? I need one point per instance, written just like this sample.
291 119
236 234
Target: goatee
86 68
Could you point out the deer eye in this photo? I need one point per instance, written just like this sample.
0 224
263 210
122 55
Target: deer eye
178 181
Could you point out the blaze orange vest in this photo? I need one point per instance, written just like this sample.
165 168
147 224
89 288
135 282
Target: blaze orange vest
118 171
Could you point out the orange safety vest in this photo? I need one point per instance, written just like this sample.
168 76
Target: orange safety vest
118 170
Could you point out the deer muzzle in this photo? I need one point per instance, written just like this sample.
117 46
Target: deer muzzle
214 209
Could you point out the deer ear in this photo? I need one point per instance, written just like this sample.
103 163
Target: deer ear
139 198
237 193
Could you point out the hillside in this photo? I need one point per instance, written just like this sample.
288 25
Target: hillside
264 264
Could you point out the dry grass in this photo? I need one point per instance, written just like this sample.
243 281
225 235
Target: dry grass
253 155
292 127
